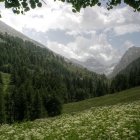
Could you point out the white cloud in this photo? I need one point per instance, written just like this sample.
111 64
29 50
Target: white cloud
73 33
128 28
82 49
55 15
65 51
90 28
58 15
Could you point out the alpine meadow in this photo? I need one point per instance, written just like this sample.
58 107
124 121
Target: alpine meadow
69 70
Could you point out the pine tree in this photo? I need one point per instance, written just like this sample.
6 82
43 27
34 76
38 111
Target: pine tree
2 113
37 106
29 101
18 104
9 108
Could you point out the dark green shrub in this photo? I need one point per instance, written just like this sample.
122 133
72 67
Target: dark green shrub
54 107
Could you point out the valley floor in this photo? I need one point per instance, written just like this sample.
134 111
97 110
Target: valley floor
120 121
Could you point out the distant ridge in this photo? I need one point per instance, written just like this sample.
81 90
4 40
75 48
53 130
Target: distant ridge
4 28
131 54
94 65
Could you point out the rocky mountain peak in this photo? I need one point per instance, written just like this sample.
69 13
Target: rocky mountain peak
130 55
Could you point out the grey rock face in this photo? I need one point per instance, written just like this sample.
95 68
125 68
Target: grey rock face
131 54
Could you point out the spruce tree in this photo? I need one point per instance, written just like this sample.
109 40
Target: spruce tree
37 106
2 113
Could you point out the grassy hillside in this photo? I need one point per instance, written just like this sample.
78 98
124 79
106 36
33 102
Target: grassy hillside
126 96
116 122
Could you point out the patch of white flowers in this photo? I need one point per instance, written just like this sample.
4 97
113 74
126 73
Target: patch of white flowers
118 122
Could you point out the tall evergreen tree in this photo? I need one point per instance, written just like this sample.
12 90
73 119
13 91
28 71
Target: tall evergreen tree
37 106
2 111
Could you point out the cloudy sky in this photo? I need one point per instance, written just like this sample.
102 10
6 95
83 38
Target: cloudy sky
94 32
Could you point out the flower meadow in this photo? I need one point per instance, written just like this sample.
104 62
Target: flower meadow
117 122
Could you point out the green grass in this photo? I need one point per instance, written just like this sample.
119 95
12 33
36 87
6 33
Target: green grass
116 122
6 80
111 117
126 96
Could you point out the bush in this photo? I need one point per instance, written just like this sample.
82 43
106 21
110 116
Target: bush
54 107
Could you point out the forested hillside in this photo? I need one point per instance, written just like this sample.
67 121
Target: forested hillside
127 78
35 75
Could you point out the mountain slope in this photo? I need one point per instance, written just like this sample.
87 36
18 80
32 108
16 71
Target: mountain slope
127 78
91 64
4 28
132 73
132 67
130 55
20 50
35 75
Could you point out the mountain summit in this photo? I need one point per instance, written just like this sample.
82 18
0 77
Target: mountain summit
131 54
